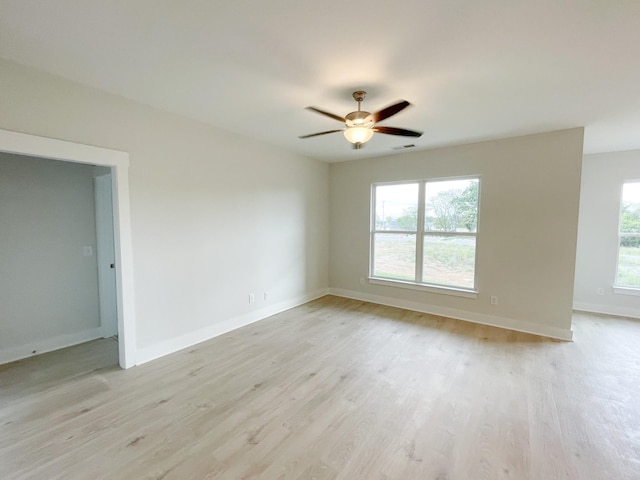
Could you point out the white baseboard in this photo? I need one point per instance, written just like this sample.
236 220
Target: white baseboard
47 345
606 309
161 349
474 317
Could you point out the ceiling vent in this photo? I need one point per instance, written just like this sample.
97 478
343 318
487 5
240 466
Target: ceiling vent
411 145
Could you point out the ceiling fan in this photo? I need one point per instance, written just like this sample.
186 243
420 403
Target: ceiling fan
360 125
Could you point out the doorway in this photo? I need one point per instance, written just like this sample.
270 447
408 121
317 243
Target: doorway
118 162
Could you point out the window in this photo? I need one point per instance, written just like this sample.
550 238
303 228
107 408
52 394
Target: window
628 268
424 233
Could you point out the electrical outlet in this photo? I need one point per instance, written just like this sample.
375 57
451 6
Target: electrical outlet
266 295
362 281
494 300
600 291
252 298
87 251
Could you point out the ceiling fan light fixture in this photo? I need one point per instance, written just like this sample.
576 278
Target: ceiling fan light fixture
358 134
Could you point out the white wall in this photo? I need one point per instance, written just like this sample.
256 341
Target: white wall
48 287
215 216
527 228
602 179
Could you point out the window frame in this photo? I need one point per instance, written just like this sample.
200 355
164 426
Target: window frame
417 283
617 287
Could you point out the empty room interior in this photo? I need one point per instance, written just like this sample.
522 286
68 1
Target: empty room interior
318 240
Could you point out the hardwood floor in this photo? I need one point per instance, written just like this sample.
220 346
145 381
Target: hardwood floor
335 389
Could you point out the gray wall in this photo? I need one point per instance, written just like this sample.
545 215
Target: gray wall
530 189
48 287
602 179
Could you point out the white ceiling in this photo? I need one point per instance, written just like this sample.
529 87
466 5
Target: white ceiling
473 70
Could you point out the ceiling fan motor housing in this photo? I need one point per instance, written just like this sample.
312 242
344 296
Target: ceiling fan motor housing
359 119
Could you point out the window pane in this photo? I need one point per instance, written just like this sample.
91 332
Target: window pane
630 211
395 255
451 206
449 260
397 207
629 262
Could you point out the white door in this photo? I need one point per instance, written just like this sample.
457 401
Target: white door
105 255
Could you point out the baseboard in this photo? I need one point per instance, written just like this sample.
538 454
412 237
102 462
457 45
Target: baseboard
161 349
481 318
47 345
606 309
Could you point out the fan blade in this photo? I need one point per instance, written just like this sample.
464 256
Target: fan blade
389 111
397 131
322 112
319 133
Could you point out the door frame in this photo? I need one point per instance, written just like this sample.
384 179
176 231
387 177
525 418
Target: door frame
49 148
105 254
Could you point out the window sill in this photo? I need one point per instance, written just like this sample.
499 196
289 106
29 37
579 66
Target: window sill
456 292
626 291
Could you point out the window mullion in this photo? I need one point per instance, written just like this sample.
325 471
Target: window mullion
420 232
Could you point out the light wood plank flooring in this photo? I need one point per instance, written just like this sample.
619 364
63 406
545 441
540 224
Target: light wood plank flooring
335 389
